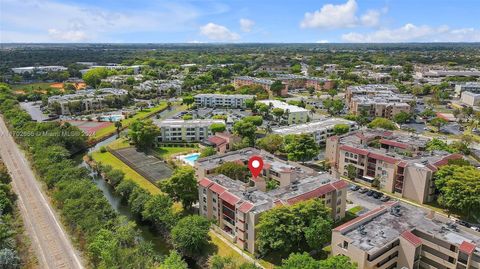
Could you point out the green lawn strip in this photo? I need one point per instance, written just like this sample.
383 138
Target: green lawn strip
167 152
120 143
32 86
107 131
110 159
356 209
218 247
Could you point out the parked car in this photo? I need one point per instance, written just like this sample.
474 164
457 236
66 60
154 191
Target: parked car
385 198
377 195
475 228
370 192
354 187
363 190
463 223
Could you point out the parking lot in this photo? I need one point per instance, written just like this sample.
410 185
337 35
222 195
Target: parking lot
363 200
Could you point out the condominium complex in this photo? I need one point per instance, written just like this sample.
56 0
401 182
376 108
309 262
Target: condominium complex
298 81
173 130
450 73
470 98
398 161
236 206
87 100
399 235
378 101
292 114
39 69
222 100
467 87
320 129
160 87
253 81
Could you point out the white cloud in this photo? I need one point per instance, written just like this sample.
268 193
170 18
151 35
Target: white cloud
332 16
218 32
51 21
246 25
323 41
413 33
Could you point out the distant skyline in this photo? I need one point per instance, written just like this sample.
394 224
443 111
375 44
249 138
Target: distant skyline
239 21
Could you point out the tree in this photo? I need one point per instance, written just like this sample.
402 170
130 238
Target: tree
94 76
144 134
376 183
190 235
217 127
277 87
302 148
382 123
299 261
337 262
271 143
333 106
438 123
278 112
233 170
285 229
340 129
188 100
402 117
173 261
208 151
256 120
351 171
118 127
250 103
459 188
9 259
182 186
159 210
141 105
246 130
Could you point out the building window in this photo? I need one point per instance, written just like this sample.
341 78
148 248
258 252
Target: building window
338 210
345 245
339 201
204 208
204 191
214 209
214 200
204 199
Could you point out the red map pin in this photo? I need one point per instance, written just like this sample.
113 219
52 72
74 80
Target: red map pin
255 164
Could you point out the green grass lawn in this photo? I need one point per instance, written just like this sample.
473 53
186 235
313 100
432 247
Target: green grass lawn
356 209
110 159
218 247
167 152
107 131
119 144
32 86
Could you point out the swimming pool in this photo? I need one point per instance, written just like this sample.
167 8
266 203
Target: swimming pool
189 159
111 118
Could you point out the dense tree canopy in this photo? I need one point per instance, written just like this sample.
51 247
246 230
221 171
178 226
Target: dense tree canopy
190 235
382 123
301 147
144 134
182 186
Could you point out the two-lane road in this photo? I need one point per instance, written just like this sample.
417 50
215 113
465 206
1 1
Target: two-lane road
52 245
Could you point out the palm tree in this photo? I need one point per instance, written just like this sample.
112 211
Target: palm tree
118 126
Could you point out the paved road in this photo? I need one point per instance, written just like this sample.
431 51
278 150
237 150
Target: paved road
53 248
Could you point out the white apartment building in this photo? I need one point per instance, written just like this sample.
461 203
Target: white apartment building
292 114
470 98
467 87
222 100
176 130
39 69
320 130
160 87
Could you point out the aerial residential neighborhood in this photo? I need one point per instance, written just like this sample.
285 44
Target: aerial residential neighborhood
332 134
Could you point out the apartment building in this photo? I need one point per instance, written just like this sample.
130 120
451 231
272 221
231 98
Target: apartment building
450 73
236 207
399 235
470 98
299 81
85 101
467 87
378 100
320 129
160 87
397 160
39 69
176 130
253 81
292 114
222 100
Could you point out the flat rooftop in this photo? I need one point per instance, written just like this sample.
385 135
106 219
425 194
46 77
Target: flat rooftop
392 219
283 105
216 95
313 126
178 123
254 79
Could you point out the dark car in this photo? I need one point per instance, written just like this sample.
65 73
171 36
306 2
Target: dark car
370 192
363 190
377 195
385 198
463 223
354 188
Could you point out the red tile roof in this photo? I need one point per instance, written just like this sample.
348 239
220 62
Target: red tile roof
445 160
341 184
393 143
354 150
382 157
245 207
312 194
217 140
229 198
410 237
217 188
402 164
467 247
205 182
359 219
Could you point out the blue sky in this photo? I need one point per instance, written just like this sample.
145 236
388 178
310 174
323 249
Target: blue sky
303 21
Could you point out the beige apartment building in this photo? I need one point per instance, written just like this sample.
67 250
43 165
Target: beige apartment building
397 160
398 235
236 206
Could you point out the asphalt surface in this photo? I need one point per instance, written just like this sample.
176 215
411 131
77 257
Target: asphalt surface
51 243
